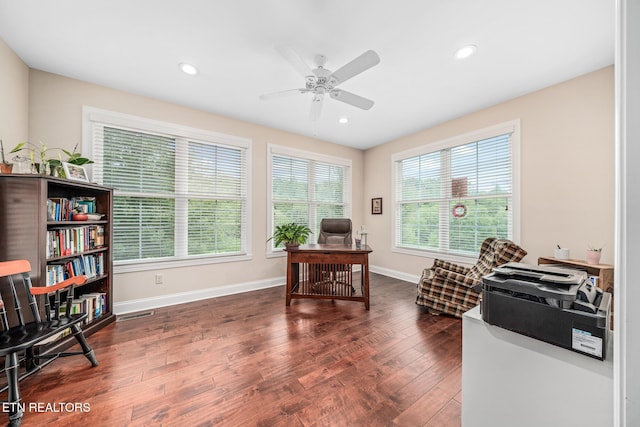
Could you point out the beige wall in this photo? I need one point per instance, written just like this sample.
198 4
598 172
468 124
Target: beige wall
56 119
14 90
567 170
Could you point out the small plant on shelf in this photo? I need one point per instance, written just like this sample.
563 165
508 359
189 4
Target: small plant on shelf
290 234
6 165
39 156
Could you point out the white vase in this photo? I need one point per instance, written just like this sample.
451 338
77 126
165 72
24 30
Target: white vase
593 257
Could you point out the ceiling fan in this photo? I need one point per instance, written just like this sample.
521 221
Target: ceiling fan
321 81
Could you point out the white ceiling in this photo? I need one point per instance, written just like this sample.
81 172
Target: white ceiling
136 46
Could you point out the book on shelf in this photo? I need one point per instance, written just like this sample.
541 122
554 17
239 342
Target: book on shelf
61 209
74 240
95 304
90 265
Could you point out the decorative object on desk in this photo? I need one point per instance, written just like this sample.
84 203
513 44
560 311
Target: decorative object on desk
75 172
363 235
560 253
593 255
291 234
376 206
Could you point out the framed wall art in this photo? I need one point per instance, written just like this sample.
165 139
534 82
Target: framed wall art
376 206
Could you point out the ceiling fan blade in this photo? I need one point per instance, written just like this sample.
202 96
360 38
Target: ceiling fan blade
282 94
294 59
316 106
355 67
351 99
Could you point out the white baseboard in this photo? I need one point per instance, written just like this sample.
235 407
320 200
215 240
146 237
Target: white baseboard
395 274
142 304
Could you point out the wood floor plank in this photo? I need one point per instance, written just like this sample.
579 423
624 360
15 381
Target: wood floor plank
248 360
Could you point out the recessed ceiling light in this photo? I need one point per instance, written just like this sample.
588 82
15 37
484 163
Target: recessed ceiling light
188 69
466 51
343 120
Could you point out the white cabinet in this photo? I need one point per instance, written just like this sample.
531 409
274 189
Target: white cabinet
509 379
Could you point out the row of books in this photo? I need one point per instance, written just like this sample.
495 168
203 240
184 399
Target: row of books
74 240
87 265
61 209
94 304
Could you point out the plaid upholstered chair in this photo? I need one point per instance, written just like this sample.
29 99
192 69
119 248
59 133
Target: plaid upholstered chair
448 288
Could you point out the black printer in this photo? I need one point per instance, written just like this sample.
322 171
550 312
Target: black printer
557 305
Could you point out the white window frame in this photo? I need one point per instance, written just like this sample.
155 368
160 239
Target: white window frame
512 127
275 150
92 116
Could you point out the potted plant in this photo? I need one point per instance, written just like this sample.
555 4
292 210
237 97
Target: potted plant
74 158
38 158
291 234
5 166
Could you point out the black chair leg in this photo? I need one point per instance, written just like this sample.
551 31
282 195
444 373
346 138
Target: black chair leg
13 393
86 349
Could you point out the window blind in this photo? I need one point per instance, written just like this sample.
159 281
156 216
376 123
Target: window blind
175 197
305 190
451 199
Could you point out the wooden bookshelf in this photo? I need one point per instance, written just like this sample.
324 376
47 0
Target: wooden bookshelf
25 229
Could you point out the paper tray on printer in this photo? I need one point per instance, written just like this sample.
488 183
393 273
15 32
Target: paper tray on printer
539 281
544 274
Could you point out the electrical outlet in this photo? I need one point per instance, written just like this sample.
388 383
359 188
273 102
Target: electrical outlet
159 279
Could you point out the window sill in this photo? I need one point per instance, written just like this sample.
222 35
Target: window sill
455 258
157 264
277 254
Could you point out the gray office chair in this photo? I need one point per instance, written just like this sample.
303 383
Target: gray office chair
335 231
334 278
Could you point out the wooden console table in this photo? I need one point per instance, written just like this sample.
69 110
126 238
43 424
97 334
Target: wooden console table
604 273
325 272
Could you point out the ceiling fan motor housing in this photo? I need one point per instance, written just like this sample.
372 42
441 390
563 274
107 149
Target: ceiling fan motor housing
323 81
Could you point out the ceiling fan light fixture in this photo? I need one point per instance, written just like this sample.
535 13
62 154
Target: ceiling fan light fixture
466 51
321 81
188 69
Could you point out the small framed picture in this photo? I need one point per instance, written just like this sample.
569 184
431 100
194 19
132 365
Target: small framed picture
75 172
376 206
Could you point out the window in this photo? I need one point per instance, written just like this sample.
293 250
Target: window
181 195
305 187
451 195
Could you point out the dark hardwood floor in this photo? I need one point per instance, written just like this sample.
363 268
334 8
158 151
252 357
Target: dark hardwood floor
247 360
